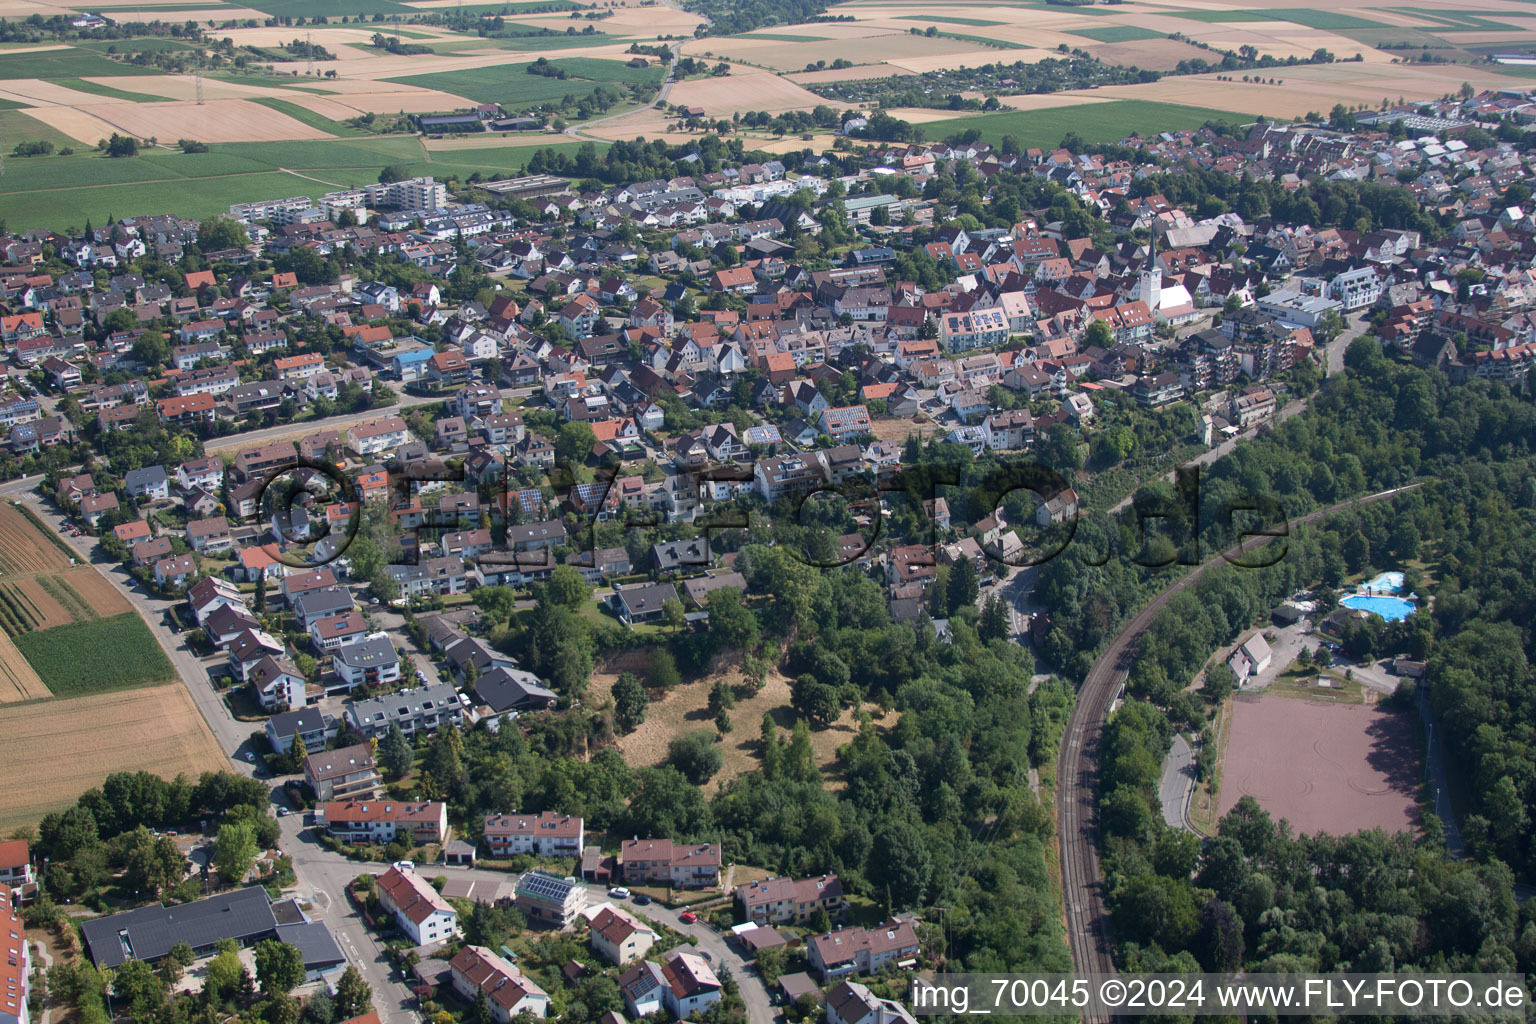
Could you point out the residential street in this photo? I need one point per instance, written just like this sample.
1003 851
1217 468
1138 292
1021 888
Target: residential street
323 875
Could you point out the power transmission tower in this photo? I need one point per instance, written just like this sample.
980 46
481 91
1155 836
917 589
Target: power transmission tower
198 78
309 46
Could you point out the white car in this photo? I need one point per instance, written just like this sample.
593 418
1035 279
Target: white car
618 892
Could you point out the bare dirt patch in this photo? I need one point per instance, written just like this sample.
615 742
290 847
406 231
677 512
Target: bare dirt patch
687 708
1334 768
55 750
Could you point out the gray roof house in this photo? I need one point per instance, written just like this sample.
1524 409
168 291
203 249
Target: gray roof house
150 481
512 689
641 603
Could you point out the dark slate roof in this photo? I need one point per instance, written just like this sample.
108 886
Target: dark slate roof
314 940
148 933
504 689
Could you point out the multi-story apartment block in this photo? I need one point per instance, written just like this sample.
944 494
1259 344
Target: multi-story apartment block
379 821
546 834
420 710
661 862
347 773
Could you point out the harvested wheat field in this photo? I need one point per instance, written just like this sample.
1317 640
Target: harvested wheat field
17 680
1314 88
744 89
687 708
1155 54
214 121
57 749
77 124
853 74
24 548
36 92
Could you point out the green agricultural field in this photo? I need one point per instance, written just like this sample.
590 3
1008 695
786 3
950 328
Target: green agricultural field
1327 21
522 7
62 192
1118 33
306 116
20 126
11 105
948 19
97 656
97 89
1465 21
72 62
333 8
511 86
1097 122
1219 17
140 44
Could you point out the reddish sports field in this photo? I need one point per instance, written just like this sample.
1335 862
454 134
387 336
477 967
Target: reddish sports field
1335 768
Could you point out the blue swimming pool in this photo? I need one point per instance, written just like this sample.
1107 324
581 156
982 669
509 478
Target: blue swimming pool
1393 609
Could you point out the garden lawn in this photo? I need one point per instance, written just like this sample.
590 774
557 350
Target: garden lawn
96 656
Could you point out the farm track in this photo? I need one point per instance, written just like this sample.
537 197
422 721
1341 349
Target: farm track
1088 926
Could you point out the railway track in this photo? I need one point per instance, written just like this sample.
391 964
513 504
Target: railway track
1088 926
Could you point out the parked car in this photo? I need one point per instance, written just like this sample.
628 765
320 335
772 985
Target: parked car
618 892
642 900
688 917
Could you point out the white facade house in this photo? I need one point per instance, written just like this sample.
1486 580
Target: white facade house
419 910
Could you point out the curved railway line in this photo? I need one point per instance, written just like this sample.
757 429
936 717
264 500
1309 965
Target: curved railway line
1088 927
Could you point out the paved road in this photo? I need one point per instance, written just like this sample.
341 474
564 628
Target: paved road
1088 925
1178 782
579 131
323 872
233 737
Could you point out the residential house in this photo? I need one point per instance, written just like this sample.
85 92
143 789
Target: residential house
863 950
618 936
791 901
549 899
509 992
420 710
420 912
